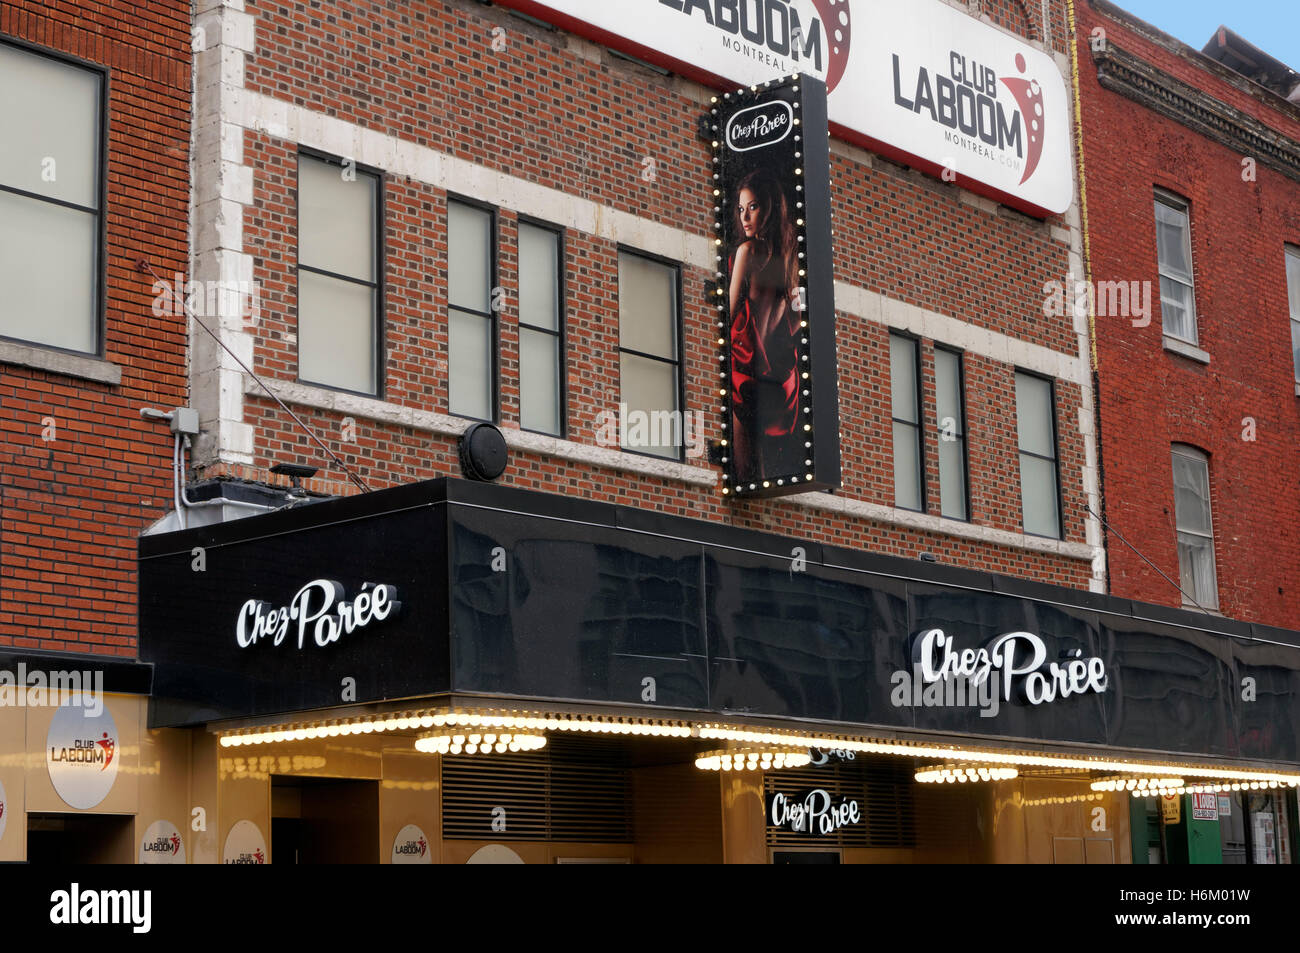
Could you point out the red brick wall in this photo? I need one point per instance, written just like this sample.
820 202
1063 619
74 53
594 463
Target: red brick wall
1150 398
73 507
536 110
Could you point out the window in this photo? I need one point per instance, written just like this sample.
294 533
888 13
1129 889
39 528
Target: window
1194 527
1293 292
1174 247
950 407
541 330
51 200
1036 429
905 396
338 275
471 324
649 305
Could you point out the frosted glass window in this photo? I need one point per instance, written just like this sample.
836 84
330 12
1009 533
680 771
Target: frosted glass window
539 381
50 207
469 373
1195 528
338 286
648 328
539 269
1036 426
472 357
1174 247
48 272
336 218
1293 292
950 407
905 400
469 258
1034 415
50 116
650 393
336 332
647 304
541 350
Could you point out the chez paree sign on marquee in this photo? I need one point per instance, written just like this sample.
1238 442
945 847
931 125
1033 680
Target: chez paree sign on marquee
918 80
319 607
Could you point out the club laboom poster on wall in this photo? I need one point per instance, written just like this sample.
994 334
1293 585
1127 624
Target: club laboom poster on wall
774 292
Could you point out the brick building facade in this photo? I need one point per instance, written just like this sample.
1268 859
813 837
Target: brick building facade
467 100
96 177
1214 384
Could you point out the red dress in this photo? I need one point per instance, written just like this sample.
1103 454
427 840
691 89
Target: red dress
764 375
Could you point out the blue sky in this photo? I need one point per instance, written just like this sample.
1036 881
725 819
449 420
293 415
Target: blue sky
1272 25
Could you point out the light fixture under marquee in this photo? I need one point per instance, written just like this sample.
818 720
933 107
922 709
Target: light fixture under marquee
479 742
963 774
752 759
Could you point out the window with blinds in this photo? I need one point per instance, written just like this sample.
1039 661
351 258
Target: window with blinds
572 790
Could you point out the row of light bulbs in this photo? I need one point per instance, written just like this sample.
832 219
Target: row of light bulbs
1137 784
479 742
920 750
1204 779
962 774
720 203
752 759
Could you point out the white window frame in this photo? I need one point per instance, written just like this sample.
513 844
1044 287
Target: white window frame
1181 205
1205 600
1293 295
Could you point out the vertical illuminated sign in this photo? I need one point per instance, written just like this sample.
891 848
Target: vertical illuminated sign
774 295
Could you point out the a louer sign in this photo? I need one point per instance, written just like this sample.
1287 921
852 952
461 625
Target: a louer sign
917 81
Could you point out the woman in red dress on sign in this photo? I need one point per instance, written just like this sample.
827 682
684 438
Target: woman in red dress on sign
764 331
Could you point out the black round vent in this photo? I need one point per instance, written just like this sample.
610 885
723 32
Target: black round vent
483 453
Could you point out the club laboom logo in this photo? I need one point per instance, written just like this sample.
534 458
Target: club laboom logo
783 34
964 98
81 754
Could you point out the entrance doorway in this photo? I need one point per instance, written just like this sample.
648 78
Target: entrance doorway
324 821
80 839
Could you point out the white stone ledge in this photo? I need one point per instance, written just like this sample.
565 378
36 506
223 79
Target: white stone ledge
937 524
322 398
1186 349
875 307
60 362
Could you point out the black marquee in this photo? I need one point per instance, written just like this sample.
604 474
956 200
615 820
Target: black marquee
512 593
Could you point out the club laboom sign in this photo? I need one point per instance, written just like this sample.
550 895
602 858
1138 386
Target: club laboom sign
319 609
917 81
1018 659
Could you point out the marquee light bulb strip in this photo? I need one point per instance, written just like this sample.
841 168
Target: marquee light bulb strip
753 759
962 774
1204 779
920 750
722 303
424 720
476 742
1063 799
1154 785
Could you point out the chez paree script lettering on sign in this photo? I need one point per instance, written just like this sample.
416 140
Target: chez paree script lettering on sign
319 607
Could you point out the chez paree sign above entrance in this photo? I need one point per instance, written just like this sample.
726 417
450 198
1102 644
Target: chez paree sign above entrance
917 81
